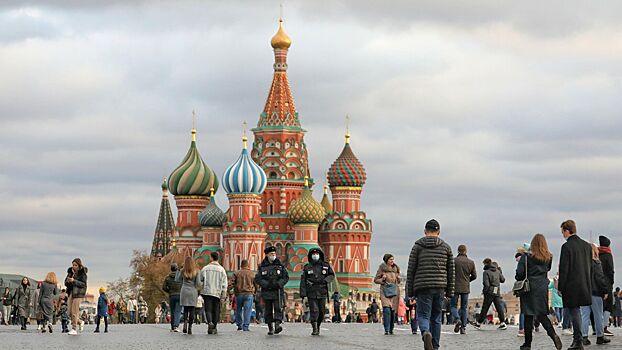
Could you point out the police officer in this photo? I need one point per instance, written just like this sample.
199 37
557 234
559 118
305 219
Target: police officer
316 275
272 277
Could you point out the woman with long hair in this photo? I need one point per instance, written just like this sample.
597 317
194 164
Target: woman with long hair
46 300
534 266
22 301
600 288
191 283
7 301
76 288
388 277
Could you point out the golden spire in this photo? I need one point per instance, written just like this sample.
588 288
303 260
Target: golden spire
306 173
347 128
211 192
194 130
244 138
281 40
325 183
174 243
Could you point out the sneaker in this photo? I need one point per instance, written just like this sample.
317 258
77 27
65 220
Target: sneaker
602 340
607 333
557 342
427 341
537 329
521 333
457 327
72 332
176 330
503 326
567 331
586 341
462 330
476 325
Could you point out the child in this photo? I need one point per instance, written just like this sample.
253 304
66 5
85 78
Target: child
102 310
64 315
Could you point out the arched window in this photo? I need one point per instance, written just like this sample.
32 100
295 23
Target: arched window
273 175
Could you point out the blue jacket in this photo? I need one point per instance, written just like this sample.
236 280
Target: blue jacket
102 305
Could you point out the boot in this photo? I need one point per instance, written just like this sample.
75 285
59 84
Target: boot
314 325
23 323
185 330
190 329
576 345
586 341
318 327
270 329
50 326
602 340
557 342
277 327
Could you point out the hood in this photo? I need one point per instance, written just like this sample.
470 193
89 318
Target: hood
266 262
386 268
429 242
492 268
313 250
604 241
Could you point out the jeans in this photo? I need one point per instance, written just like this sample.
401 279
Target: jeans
521 322
337 311
388 319
558 314
429 310
597 309
413 323
575 314
243 303
175 307
464 305
133 317
566 318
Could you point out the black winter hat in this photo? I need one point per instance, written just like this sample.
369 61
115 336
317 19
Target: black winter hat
604 241
174 267
269 250
386 257
432 225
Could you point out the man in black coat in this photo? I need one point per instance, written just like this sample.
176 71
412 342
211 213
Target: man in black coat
465 274
316 275
272 277
575 277
606 259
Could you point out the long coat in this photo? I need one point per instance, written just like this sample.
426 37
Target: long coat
575 272
189 289
388 274
46 299
21 298
272 277
536 301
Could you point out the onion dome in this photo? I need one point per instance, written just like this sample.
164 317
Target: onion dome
192 177
281 40
212 215
306 210
326 204
347 170
244 176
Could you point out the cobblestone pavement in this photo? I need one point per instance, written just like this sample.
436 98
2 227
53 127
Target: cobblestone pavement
295 336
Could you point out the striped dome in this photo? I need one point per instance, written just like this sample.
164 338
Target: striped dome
347 170
244 176
192 177
212 215
306 210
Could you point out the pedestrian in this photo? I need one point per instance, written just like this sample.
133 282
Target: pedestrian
430 279
190 284
617 309
556 300
534 267
7 301
401 312
316 275
374 308
388 277
600 286
132 307
200 311
112 308
122 310
272 277
606 260
143 310
47 294
243 283
102 310
336 298
412 314
492 279
165 309
22 301
575 271
158 313
76 283
64 314
173 288
214 279
465 274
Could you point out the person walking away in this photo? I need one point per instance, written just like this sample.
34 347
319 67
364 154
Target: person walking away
575 277
272 277
243 283
200 311
102 310
143 310
336 298
314 280
190 279
64 315
465 274
132 307
600 286
412 312
388 277
374 308
430 278
556 300
46 300
534 266
22 302
617 309
214 281
76 283
492 279
606 260
173 288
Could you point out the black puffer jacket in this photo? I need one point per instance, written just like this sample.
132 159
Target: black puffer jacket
171 286
77 289
430 266
272 277
316 275
492 279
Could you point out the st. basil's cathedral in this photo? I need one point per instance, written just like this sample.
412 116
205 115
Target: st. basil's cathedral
270 199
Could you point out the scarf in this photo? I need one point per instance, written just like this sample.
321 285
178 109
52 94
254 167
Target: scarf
604 250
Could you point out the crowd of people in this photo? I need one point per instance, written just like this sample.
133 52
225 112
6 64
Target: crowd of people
437 287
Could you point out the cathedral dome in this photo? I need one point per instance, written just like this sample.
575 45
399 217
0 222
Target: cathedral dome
306 210
347 170
212 215
281 40
244 176
192 177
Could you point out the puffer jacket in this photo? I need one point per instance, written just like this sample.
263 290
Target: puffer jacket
492 279
77 289
430 266
172 286
315 277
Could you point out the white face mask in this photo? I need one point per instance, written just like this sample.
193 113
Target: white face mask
315 257
271 258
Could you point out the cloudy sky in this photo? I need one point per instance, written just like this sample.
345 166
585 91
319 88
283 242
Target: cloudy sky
498 119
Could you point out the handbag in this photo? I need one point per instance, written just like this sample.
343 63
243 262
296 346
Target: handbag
389 290
522 287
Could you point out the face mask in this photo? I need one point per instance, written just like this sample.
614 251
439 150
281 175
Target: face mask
271 258
315 257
